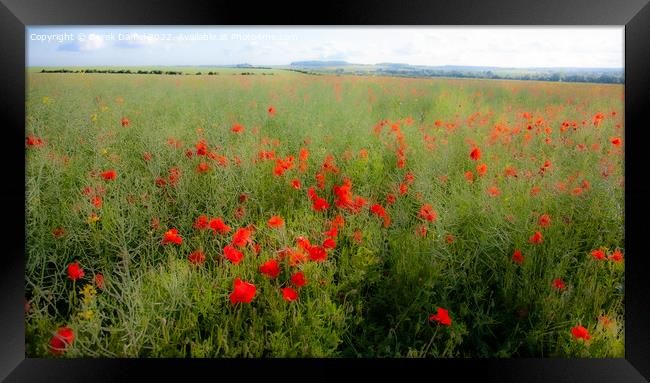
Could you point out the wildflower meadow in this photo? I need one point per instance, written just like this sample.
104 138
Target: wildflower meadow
286 214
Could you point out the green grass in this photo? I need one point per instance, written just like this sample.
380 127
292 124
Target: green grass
367 299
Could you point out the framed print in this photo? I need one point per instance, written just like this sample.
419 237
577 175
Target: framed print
446 187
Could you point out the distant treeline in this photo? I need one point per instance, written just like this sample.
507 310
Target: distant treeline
128 71
305 72
544 76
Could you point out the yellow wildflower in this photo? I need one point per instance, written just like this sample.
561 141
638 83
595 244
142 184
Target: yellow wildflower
87 315
93 218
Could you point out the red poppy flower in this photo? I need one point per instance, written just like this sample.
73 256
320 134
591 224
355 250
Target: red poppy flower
427 213
544 220
475 154
390 198
358 236
33 141
239 212
282 165
125 121
235 256
270 268
403 189
237 128
271 111
329 243
338 221
517 257
296 257
174 175
61 340
275 221
58 232
469 176
616 141
604 319
289 294
171 236
317 254
481 169
242 237
598 254
494 191
333 232
311 193
421 231
109 175
97 201
160 182
201 222
378 210
298 279
442 317
201 148
74 271
510 172
99 281
147 156
196 257
295 183
320 204
243 292
616 256
217 225
303 243
536 238
580 332
558 284
202 167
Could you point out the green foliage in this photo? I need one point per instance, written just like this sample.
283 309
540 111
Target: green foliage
373 295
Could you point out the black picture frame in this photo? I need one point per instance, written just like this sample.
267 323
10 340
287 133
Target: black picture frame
15 15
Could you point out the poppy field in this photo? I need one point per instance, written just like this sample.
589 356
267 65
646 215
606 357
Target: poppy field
298 215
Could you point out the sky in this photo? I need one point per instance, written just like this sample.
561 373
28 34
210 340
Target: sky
510 47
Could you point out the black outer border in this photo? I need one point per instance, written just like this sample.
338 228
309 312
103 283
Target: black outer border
634 14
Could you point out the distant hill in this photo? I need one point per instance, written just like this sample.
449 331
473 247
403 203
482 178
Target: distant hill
319 63
567 74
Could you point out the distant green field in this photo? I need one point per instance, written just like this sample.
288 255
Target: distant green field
427 217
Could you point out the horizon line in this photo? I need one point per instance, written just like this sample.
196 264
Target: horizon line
323 61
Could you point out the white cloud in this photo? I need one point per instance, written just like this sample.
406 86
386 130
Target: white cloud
91 42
